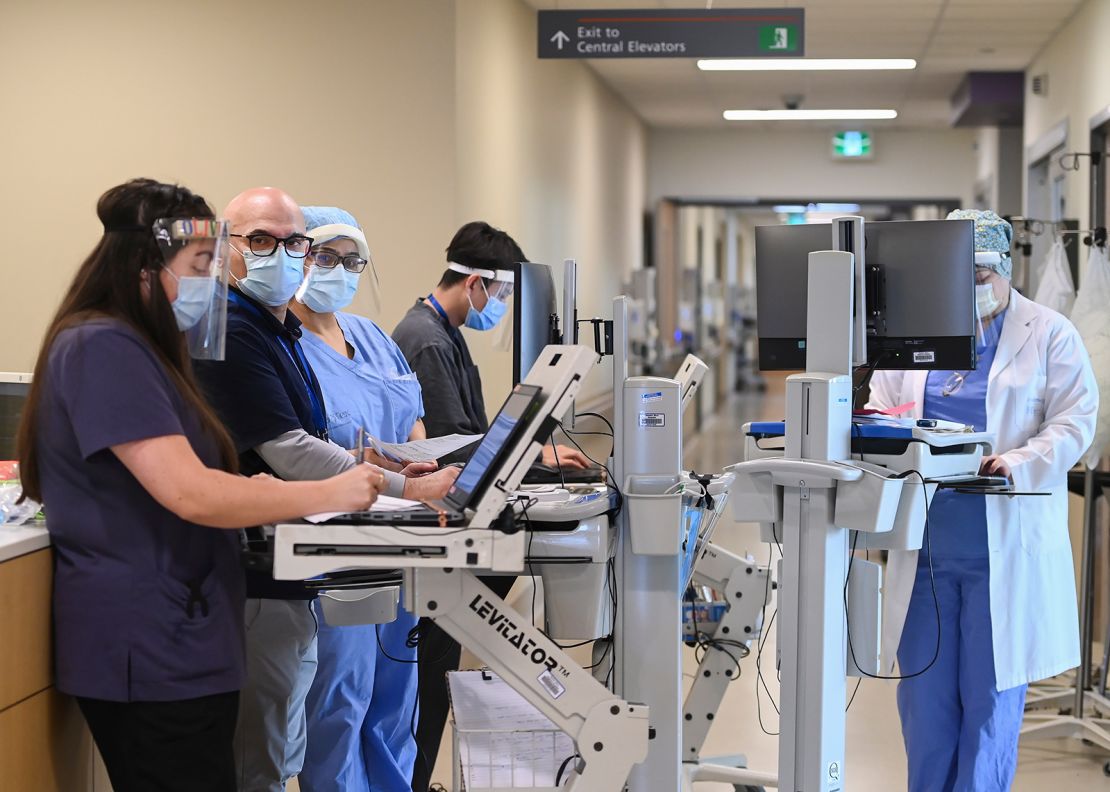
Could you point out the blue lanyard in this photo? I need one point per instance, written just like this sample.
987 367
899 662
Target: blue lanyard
439 310
300 362
453 331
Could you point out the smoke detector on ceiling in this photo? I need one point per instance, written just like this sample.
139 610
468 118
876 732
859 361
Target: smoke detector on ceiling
1040 85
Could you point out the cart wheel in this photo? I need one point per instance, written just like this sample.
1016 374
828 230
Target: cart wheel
1106 769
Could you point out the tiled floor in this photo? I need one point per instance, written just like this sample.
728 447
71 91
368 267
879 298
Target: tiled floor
875 759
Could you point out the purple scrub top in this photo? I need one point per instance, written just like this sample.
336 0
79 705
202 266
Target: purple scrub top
147 606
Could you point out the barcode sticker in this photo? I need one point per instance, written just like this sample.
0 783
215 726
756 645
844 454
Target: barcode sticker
924 357
553 686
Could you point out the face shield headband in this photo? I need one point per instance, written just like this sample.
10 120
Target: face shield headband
501 282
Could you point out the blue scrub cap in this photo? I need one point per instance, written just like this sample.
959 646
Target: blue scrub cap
333 223
992 235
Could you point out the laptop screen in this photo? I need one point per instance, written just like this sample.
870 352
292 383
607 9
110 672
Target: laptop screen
515 414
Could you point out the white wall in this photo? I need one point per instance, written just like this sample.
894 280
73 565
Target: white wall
796 163
1077 63
416 115
550 154
97 93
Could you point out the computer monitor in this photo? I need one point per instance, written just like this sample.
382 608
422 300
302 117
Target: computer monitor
569 327
781 273
504 430
920 293
13 396
534 315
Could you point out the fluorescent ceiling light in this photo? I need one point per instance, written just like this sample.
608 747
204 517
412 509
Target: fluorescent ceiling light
809 115
806 64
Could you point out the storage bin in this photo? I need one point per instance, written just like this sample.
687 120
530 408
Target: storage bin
869 504
654 508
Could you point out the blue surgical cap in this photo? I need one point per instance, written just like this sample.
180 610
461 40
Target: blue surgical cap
334 223
316 216
992 235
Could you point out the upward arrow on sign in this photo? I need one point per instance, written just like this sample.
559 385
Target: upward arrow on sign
560 38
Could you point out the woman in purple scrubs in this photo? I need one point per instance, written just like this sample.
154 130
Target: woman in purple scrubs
136 477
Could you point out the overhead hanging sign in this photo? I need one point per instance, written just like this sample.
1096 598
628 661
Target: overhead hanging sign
673 33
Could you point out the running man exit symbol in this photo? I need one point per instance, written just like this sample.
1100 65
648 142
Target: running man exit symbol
778 38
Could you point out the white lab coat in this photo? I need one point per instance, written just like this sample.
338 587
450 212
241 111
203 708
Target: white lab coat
1042 403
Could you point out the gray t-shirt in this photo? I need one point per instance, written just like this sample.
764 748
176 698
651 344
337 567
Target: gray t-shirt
449 380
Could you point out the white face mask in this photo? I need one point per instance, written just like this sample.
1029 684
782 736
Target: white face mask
985 300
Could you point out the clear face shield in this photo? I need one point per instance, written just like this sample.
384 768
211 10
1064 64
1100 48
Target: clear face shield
336 265
501 288
195 254
992 296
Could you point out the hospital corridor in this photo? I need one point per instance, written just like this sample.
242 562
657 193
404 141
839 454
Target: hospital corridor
555 396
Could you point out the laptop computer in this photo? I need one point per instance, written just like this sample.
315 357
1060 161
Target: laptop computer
476 476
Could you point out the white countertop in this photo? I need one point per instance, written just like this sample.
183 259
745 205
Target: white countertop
17 540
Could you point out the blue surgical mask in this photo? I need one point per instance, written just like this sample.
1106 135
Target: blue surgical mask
488 317
273 279
328 290
194 298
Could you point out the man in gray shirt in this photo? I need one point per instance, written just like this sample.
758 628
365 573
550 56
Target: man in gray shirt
471 292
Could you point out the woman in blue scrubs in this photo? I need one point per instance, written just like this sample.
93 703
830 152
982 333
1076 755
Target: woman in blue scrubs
361 708
1000 567
954 706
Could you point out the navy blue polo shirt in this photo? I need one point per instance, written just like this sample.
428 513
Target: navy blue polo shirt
262 389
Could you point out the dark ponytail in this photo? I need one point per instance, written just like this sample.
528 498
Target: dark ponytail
108 284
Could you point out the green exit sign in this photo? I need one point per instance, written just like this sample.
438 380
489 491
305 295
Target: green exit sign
778 38
853 144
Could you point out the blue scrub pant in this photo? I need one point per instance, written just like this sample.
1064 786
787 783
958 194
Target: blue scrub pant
360 710
961 734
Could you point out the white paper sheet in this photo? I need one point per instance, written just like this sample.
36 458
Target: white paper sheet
322 516
384 503
427 450
387 503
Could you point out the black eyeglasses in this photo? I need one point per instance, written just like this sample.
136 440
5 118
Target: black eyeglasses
325 259
296 245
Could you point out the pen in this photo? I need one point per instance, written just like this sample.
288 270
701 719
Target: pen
361 444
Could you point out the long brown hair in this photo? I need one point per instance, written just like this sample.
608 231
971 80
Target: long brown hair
108 284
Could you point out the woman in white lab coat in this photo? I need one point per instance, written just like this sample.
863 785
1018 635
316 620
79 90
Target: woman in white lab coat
1001 570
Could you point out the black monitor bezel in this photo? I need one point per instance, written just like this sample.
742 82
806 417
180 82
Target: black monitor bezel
518 313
